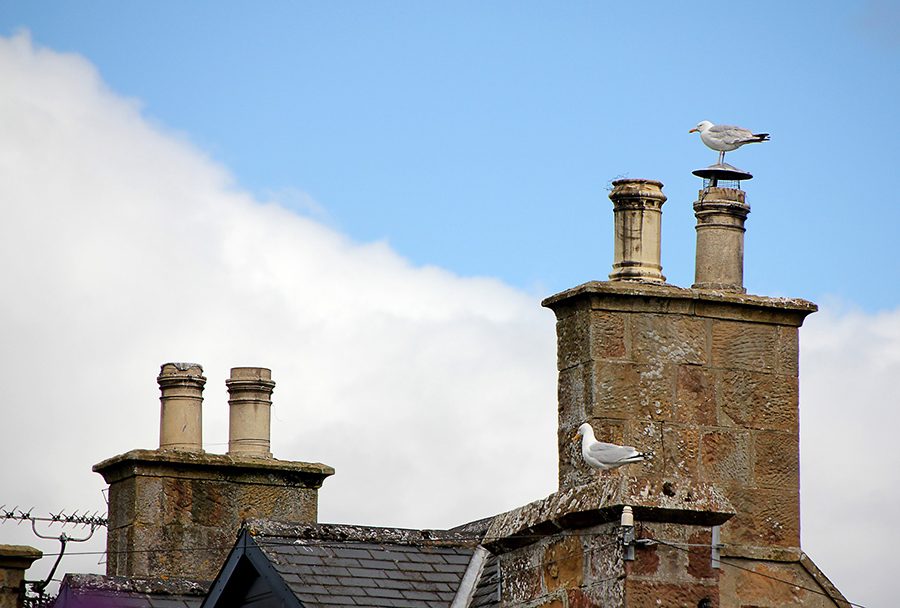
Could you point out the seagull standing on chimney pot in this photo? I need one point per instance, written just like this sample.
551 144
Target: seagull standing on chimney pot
725 138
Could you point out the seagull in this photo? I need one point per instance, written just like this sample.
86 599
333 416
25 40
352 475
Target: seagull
725 138
604 456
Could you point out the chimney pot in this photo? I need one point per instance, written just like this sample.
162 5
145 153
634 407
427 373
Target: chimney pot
721 213
250 403
637 205
181 401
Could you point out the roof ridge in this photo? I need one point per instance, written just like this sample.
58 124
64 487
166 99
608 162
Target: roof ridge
356 533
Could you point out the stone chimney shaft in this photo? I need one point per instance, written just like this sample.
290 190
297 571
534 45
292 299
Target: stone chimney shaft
14 561
721 213
181 401
250 404
637 204
174 513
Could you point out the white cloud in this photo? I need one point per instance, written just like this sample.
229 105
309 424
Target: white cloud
850 365
122 247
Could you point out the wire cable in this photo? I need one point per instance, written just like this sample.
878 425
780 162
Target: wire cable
481 539
681 547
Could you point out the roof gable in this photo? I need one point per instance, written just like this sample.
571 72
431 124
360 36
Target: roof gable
322 566
248 579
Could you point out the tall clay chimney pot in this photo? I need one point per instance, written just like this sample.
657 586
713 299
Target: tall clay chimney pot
250 403
181 401
637 205
721 213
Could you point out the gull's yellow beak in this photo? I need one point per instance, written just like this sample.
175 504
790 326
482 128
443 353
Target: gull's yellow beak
694 130
575 436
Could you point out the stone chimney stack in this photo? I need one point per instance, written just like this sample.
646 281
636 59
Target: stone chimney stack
174 512
721 213
14 561
637 205
250 403
705 380
181 402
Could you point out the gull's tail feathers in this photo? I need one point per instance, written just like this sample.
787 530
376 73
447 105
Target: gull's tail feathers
640 456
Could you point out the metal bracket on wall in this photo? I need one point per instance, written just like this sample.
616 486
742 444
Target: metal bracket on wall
716 547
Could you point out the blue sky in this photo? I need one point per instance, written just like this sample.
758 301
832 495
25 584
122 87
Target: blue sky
436 169
480 137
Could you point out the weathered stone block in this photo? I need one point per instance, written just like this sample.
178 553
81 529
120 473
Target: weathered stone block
788 351
776 459
646 562
699 556
754 400
613 390
178 496
572 469
671 563
646 436
764 517
604 595
177 547
610 430
607 337
605 553
121 505
562 564
522 576
149 503
725 457
695 396
572 392
633 391
747 346
573 344
669 338
210 504
680 450
646 594
762 586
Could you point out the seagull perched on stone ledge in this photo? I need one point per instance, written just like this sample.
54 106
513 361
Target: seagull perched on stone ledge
725 138
604 456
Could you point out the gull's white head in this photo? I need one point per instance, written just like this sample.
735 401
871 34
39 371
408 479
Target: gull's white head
584 429
701 127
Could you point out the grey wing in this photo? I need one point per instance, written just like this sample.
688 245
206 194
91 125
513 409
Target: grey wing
609 452
729 134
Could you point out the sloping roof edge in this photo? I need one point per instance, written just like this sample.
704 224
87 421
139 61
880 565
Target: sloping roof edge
823 581
470 579
245 548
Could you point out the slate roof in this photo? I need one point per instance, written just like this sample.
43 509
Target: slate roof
331 566
98 591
